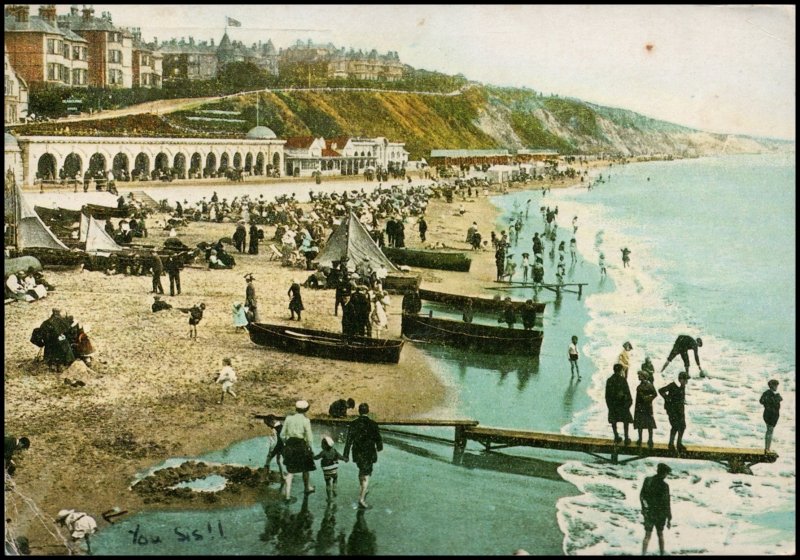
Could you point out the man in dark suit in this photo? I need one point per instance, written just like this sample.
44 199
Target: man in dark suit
619 401
364 437
158 269
173 267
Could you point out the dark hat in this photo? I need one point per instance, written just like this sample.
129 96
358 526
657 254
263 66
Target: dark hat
627 346
663 469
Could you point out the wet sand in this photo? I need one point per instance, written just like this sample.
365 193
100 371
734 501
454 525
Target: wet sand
150 395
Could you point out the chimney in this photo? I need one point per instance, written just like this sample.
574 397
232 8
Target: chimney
87 13
48 13
20 12
73 10
191 40
212 41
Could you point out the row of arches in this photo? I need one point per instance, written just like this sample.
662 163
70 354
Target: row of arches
143 166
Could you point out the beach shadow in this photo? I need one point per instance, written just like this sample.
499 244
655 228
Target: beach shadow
362 541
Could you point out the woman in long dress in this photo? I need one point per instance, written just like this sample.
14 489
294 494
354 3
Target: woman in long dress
379 319
643 409
239 316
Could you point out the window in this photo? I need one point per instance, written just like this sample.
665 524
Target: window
63 73
9 86
52 71
115 56
115 77
53 46
114 37
76 53
65 52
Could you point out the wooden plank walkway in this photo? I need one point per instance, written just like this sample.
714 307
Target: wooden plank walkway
735 459
557 288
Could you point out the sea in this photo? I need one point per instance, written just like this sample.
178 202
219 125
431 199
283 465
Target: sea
712 255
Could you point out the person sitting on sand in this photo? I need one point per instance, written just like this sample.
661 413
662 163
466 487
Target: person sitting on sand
16 289
338 408
159 305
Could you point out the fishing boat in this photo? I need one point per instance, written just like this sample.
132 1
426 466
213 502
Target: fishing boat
324 344
442 260
471 335
478 303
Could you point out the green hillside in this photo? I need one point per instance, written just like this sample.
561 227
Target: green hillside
474 117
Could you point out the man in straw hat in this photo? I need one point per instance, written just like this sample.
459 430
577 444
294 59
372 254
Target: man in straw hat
298 456
655 501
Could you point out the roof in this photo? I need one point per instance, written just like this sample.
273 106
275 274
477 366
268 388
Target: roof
340 141
468 153
78 23
530 152
35 24
298 142
261 132
72 36
326 152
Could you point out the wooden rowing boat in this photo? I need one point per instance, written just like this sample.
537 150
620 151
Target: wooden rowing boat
324 344
478 303
442 260
472 335
400 282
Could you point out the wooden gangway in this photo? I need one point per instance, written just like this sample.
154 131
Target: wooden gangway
736 460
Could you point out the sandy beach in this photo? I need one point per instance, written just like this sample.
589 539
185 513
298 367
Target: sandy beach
149 394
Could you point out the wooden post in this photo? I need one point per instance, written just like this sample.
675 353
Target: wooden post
580 290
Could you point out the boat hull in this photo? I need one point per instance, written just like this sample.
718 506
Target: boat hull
440 260
478 303
324 344
473 336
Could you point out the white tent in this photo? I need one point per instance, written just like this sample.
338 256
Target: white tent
32 232
97 240
350 239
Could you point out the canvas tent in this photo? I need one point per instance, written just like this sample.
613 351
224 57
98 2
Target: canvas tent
350 239
97 240
31 230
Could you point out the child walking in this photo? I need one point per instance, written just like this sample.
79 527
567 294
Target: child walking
573 358
227 376
330 465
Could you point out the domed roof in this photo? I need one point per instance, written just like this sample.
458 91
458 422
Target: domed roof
261 132
10 141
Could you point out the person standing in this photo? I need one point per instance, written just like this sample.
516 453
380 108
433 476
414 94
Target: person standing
330 465
423 228
195 316
251 302
619 401
626 257
173 268
239 316
572 352
296 301
275 444
624 359
364 438
298 456
602 264
157 267
240 237
525 267
573 249
643 409
674 403
771 400
682 345
253 249
227 376
655 501
412 303
528 315
509 316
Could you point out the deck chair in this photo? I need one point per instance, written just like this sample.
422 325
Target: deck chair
274 253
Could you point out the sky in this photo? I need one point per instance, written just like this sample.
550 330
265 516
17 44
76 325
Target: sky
724 68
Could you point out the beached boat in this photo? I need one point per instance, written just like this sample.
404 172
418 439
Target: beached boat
326 344
471 335
400 282
442 260
478 303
